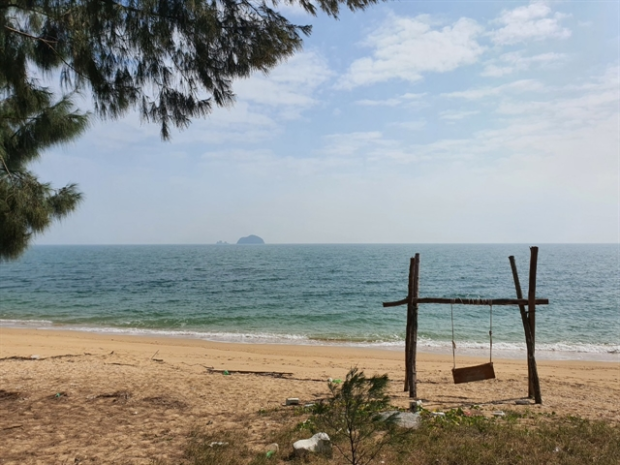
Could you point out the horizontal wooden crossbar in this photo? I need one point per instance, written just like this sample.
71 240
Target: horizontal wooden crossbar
441 300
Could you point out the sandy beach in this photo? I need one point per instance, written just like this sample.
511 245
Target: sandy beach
76 397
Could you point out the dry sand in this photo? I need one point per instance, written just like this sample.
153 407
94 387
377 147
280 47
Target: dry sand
71 397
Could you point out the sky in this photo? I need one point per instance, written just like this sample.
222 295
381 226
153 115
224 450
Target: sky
410 122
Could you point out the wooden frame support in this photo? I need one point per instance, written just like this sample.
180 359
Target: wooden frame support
533 382
532 370
459 301
411 337
409 323
528 319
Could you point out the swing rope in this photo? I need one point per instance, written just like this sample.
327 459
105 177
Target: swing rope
490 335
453 343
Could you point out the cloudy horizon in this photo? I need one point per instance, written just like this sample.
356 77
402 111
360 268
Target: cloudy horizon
410 122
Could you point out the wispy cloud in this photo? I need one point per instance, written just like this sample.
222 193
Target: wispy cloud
416 125
392 102
236 155
453 115
524 85
577 127
572 124
405 48
532 22
512 62
264 103
289 87
346 144
240 124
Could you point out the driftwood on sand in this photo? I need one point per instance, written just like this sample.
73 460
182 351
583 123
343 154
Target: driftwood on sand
273 374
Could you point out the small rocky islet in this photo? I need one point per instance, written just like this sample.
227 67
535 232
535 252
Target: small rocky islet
251 239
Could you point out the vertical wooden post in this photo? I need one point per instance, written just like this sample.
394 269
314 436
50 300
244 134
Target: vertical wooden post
531 307
531 296
413 344
526 326
409 322
532 370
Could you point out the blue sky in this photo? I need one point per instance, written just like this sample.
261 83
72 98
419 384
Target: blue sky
414 121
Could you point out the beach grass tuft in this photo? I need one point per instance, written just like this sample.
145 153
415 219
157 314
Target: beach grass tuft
463 438
219 446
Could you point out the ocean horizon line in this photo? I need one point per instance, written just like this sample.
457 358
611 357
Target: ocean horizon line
134 244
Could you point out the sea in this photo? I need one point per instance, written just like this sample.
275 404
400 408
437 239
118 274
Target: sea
321 295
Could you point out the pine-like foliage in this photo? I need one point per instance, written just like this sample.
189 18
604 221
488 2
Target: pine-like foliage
351 416
171 59
30 123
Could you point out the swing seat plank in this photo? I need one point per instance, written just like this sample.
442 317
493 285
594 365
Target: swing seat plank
473 373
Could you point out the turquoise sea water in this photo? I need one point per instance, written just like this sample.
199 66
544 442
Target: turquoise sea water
319 294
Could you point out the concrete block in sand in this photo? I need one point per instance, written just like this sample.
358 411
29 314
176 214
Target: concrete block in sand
403 419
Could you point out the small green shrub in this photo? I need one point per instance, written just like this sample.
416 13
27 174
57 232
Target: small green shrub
350 416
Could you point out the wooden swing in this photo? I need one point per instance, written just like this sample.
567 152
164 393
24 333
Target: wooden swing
476 372
485 371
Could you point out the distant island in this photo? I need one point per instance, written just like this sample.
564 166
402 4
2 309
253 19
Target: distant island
222 243
251 239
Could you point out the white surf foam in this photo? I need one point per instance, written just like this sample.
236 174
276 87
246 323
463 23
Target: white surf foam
554 351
